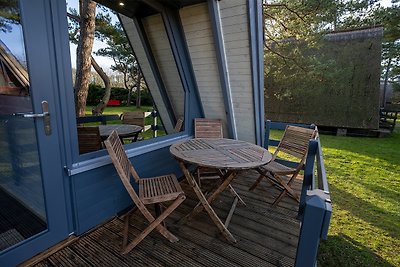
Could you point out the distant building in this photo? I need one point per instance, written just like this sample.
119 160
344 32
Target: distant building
347 96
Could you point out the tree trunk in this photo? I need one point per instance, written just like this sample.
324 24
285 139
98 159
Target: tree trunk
138 91
98 110
128 101
129 89
87 9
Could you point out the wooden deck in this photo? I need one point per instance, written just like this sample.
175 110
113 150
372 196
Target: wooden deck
266 236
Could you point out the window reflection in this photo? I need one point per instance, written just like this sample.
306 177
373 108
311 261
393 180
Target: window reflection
109 85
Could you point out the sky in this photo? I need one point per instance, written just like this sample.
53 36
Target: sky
104 62
14 42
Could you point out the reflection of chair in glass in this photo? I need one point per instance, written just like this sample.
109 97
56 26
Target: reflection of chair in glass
294 144
154 190
89 139
136 118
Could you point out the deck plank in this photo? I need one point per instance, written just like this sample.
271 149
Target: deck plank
266 236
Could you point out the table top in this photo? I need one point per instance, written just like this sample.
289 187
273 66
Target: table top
221 153
123 130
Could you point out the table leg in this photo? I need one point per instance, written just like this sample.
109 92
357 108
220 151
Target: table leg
236 195
206 204
226 179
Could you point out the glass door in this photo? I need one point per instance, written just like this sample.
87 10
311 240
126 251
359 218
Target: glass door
32 210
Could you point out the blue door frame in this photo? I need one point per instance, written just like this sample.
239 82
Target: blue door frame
37 19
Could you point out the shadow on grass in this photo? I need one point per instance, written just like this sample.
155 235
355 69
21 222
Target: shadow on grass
364 210
382 148
386 194
342 250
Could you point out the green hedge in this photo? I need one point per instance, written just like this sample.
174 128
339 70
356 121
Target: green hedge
96 93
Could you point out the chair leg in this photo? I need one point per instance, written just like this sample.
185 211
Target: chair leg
256 182
286 190
159 210
155 224
125 231
198 176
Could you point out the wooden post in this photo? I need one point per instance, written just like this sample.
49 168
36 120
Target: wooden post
308 174
316 215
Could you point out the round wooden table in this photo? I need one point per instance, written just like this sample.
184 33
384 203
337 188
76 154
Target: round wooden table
123 130
228 155
221 153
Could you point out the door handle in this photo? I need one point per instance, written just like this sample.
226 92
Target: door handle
37 115
45 115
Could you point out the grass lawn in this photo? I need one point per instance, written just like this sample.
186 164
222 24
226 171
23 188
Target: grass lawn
364 179
120 109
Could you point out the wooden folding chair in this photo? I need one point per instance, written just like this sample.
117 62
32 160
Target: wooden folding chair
154 190
136 118
294 144
89 139
210 128
207 128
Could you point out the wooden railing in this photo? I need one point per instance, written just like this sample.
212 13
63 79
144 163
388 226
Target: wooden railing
97 118
315 206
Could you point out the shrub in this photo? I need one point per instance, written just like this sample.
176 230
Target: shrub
96 93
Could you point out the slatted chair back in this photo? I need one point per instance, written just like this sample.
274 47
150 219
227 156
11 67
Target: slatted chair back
136 118
295 142
89 139
208 128
121 161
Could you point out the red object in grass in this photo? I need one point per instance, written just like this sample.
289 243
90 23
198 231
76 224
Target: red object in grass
113 102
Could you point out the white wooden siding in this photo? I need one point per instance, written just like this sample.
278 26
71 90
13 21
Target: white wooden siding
161 48
235 27
199 37
139 51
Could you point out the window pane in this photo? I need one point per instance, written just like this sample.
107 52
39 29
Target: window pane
109 85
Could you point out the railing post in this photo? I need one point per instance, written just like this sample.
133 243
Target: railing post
308 174
267 131
154 125
310 232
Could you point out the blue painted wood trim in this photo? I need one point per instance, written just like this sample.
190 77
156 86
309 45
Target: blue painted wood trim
215 16
272 142
308 174
282 125
101 158
173 27
154 68
66 97
255 11
185 67
322 178
267 132
310 232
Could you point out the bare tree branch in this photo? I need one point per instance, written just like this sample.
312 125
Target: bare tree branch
285 6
